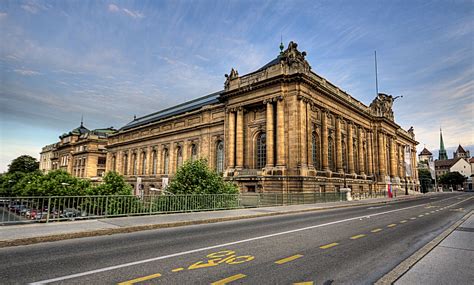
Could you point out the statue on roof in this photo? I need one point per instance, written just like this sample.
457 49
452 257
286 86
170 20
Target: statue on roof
294 58
233 74
382 105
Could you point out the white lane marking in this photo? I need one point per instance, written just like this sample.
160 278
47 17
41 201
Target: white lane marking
85 273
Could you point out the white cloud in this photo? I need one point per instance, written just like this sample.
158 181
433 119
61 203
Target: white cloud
34 7
26 72
116 9
113 8
133 14
3 15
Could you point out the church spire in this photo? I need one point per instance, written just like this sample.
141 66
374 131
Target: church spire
442 151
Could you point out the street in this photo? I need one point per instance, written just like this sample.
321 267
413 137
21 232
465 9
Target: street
349 245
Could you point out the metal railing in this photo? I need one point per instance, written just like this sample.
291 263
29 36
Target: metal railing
58 208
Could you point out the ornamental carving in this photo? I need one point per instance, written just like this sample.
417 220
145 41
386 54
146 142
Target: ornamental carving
294 58
381 106
233 75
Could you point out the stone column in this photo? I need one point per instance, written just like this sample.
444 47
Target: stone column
324 140
350 149
400 160
240 139
393 165
108 162
149 160
361 151
231 138
119 159
303 132
381 149
269 133
185 151
338 145
280 131
369 153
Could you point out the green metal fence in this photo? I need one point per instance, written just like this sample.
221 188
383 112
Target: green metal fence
59 208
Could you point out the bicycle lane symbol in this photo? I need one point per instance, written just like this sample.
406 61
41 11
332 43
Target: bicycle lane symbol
221 257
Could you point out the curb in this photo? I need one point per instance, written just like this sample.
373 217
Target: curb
130 229
392 276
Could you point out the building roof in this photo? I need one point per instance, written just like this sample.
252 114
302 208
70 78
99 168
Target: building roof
471 160
175 110
425 152
460 149
446 162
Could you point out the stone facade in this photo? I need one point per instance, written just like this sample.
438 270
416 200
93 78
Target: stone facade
81 152
47 153
282 128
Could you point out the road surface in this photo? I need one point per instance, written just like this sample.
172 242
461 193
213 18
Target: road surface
349 245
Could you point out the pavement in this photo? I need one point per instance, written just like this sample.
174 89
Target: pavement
41 232
450 262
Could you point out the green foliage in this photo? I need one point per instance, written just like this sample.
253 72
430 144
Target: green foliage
24 163
113 184
452 179
195 177
424 176
8 181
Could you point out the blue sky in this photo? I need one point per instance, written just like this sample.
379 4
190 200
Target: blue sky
111 60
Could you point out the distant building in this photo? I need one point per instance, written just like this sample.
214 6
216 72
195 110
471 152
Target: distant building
453 165
442 151
461 153
47 153
81 152
425 155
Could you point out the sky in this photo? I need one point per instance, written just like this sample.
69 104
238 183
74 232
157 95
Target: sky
110 60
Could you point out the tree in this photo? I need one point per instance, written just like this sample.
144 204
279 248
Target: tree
195 177
452 179
426 181
113 184
24 163
8 181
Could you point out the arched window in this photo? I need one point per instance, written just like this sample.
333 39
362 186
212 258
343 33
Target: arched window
143 163
166 161
356 156
315 150
125 164
261 150
179 157
154 159
220 157
331 154
194 152
114 163
134 164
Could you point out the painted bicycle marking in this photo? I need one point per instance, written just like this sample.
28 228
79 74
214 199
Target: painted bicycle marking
221 257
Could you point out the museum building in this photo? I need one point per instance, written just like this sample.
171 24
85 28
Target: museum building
281 128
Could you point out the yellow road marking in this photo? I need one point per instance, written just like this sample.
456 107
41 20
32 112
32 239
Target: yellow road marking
229 279
304 283
288 259
177 269
357 236
133 281
391 225
402 222
329 245
375 230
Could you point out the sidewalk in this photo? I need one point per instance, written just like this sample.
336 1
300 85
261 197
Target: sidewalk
35 233
450 262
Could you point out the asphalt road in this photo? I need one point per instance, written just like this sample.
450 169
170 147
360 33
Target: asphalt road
356 245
